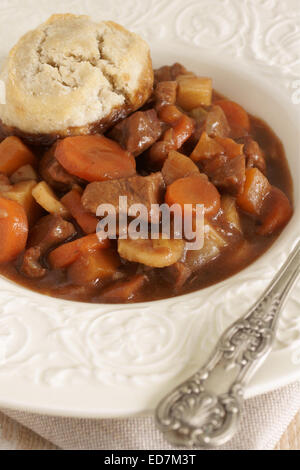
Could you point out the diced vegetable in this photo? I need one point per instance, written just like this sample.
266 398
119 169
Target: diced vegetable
94 158
22 193
155 253
256 188
94 267
207 147
72 201
275 213
46 198
193 91
212 247
24 173
231 148
124 291
13 230
195 189
178 166
5 184
66 254
216 123
14 154
228 205
237 118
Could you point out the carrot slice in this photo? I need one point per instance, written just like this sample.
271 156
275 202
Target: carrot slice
13 155
13 229
94 158
66 254
87 221
237 118
194 190
276 212
256 188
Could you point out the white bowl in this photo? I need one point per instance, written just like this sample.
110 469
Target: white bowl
74 359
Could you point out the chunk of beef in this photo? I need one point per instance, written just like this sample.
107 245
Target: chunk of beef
145 190
169 72
177 274
124 291
137 132
254 154
165 94
213 122
226 173
54 174
49 231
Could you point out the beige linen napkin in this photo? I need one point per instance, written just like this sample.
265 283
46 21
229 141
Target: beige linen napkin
264 420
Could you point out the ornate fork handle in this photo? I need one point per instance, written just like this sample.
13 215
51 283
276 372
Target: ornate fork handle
205 410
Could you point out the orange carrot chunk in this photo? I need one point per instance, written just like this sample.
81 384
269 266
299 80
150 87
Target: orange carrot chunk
87 221
94 158
13 155
276 212
256 188
66 254
93 267
194 190
207 147
237 118
13 230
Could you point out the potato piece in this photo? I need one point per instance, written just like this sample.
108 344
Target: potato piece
194 91
22 193
24 173
213 244
46 198
155 253
178 166
228 204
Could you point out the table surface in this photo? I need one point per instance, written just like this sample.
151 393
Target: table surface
13 436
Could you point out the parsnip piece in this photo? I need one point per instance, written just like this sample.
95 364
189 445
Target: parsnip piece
228 204
22 193
46 198
24 173
194 91
155 253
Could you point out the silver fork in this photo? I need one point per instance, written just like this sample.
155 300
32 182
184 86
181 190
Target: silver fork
205 410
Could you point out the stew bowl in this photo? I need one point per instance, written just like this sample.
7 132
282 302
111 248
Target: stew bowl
86 360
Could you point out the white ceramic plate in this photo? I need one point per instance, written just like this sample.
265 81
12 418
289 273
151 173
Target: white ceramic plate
74 359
